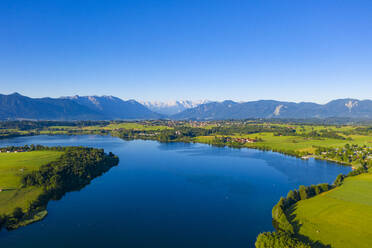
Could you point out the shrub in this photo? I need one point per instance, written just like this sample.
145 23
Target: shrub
278 240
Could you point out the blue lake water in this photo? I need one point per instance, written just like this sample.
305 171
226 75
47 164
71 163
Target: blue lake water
169 195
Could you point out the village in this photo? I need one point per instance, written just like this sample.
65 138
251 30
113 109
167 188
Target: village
11 151
348 154
238 140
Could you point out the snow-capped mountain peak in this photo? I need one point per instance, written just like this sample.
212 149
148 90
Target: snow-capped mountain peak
172 107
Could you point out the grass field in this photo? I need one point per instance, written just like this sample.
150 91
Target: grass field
341 217
12 166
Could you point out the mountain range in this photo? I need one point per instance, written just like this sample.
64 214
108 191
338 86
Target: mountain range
351 108
173 107
114 108
16 106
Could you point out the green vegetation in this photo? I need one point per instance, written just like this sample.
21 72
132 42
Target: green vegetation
30 176
312 216
279 240
135 126
296 138
340 217
350 154
281 212
14 165
327 215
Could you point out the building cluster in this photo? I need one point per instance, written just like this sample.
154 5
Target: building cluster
199 124
11 151
351 153
241 140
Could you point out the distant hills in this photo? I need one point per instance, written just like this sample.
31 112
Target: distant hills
16 106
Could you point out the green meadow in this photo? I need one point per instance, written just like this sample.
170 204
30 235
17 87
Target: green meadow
341 217
12 167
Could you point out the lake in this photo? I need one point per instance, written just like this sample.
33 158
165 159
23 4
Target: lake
169 195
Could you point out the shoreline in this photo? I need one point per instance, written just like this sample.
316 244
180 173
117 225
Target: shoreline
290 153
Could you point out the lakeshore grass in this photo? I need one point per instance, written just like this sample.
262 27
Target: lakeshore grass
340 217
12 167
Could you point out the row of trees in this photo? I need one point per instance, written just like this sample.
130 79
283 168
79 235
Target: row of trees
340 178
280 212
34 125
279 240
167 135
324 134
32 147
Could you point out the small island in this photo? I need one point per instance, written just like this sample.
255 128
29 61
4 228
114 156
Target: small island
31 176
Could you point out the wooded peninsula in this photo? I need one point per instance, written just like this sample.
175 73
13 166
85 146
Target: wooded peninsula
33 175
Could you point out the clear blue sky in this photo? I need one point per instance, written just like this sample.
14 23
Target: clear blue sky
300 50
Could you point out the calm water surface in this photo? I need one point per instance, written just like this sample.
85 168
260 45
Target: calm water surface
169 195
